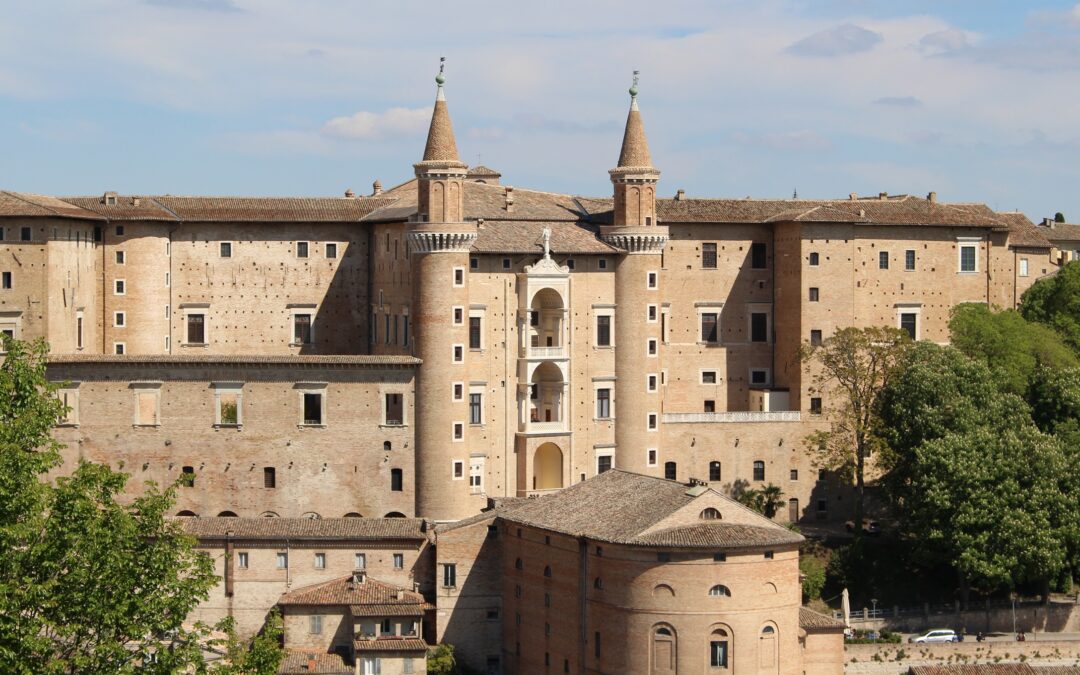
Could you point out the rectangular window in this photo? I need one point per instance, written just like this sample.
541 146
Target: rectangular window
315 627
459 276
671 470
146 406
399 561
601 263
759 377
459 389
449 575
474 332
651 279
269 477
759 327
650 382
815 405
313 408
79 331
119 228
26 234
603 463
227 401
651 313
603 403
359 561
709 327
815 338
909 260
119 287
883 260
814 294
968 257
650 347
1023 267
118 348
301 249
168 277
242 560
909 323
282 561
302 329
603 331
119 257
331 251
395 409
458 469
459 316
476 474
196 329
708 377
459 353
718 654
459 431
476 408
7 281
320 561
650 457
397 480
708 256
793 474
710 406
815 259
758 256
652 421
225 249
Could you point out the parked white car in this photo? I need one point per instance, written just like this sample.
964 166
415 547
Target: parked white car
940 635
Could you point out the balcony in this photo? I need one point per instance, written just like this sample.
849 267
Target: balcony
732 417
555 427
556 352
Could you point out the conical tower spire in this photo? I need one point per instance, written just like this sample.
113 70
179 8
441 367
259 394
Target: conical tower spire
441 146
635 147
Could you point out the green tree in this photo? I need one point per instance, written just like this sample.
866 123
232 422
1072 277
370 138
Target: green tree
853 366
1055 302
1010 345
1059 217
441 660
766 501
87 584
1055 398
812 570
262 656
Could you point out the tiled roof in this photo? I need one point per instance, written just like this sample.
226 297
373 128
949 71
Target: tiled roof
298 662
1061 232
409 609
728 535
815 621
508 236
127 207
250 359
483 200
33 205
390 644
975 669
441 146
1056 670
1022 232
480 171
619 506
352 529
345 591
635 147
271 209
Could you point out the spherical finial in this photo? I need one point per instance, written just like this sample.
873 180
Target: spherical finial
440 78
633 87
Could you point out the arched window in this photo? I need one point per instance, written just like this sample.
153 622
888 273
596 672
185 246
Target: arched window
187 514
352 514
663 630
311 515
710 514
268 514
759 470
394 514
768 630
670 470
663 591
518 565
714 471
227 514
719 648
387 446
664 657
767 648
547 571
719 590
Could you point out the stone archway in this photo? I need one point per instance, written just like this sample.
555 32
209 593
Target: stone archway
548 467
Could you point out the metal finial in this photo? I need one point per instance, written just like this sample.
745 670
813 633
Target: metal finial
633 89
440 78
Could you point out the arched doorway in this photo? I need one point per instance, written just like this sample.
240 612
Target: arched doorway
545 404
547 467
546 323
767 656
793 510
664 652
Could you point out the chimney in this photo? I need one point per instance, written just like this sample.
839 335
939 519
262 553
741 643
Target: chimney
416 587
509 198
134 201
883 196
932 198
400 594
1048 222
358 576
311 663
376 188
349 194
680 195
853 196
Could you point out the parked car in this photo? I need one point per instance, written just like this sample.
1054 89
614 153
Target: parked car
938 635
871 527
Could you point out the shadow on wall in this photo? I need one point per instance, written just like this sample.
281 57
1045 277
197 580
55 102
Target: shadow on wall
475 626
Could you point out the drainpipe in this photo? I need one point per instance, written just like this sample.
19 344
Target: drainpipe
583 589
229 564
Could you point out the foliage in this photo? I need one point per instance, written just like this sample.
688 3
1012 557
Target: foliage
1059 217
766 501
228 412
441 660
1055 302
87 584
812 569
855 364
1011 346
976 483
1055 398
262 657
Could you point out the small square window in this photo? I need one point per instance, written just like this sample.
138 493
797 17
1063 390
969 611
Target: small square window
118 348
815 338
759 376
320 561
815 405
119 287
814 294
119 230
883 260
119 257
301 249
814 259
601 264
710 406
331 251
225 249
506 263
569 263
242 560
768 555
708 377
474 263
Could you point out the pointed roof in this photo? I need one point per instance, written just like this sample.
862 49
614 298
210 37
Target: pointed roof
635 147
441 146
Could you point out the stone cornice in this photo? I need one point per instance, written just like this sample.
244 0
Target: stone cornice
439 242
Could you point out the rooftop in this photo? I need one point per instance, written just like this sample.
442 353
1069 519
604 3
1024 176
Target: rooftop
246 359
816 621
1060 231
307 662
296 529
362 596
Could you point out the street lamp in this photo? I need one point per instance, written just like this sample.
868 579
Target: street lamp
1012 596
874 601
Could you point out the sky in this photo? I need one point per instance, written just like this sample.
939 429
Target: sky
978 100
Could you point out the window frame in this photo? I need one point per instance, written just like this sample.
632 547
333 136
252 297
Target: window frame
965 243
304 389
224 389
710 249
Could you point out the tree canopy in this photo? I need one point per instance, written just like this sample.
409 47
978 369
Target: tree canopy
1055 302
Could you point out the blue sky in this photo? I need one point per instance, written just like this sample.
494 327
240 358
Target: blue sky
976 100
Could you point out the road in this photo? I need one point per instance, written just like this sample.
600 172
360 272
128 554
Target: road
1009 637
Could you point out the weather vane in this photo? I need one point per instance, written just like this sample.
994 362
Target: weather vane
440 78
633 89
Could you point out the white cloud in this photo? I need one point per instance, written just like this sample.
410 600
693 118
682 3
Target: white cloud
799 141
370 126
898 101
203 5
839 41
944 41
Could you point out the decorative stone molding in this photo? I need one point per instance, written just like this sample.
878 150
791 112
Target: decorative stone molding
436 242
636 242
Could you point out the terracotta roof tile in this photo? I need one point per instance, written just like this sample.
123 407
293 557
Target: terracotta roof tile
618 507
247 359
297 663
441 146
975 669
635 147
814 621
351 529
488 201
508 236
271 209
345 591
127 207
33 205
402 609
1061 232
1023 232
481 171
390 644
